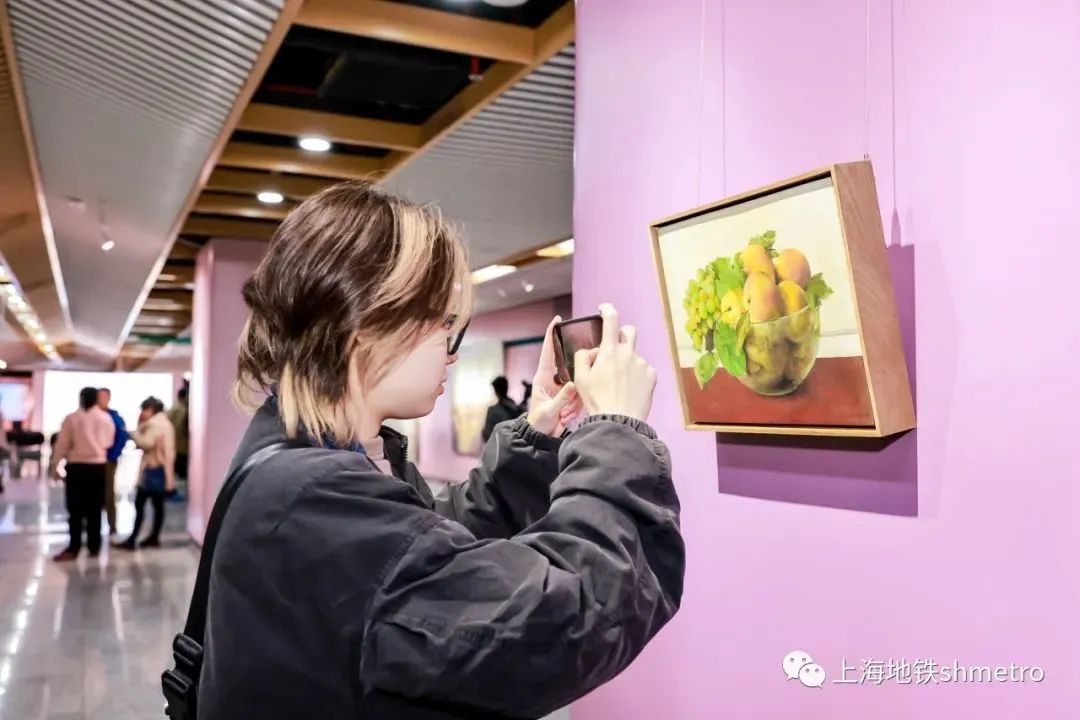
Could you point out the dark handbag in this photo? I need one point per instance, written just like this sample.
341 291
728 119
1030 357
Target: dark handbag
153 479
181 684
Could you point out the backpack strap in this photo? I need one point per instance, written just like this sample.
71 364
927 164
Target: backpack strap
195 627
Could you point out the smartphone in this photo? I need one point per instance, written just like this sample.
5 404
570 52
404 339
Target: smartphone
582 333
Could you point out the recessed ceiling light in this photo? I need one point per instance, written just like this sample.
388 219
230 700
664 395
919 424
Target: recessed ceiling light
491 272
108 245
270 197
3 365
527 286
315 144
558 250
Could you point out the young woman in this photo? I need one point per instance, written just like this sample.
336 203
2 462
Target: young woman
341 588
156 437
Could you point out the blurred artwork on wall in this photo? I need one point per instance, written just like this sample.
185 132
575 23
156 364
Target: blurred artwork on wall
470 392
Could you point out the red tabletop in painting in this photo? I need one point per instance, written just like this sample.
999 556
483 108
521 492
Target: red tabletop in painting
834 394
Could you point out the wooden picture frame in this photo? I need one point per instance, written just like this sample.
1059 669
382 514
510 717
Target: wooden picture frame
787 362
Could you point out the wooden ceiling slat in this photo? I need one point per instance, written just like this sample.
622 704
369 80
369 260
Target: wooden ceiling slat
226 228
295 122
221 204
253 182
253 156
411 25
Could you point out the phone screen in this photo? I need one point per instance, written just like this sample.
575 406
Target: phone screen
573 335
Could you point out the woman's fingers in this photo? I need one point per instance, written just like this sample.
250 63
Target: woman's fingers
610 336
628 335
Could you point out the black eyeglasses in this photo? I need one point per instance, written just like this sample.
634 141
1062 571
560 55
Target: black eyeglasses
453 342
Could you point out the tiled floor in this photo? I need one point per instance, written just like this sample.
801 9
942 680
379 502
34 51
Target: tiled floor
85 639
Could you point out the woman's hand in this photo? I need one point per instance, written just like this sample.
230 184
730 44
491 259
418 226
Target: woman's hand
552 406
614 379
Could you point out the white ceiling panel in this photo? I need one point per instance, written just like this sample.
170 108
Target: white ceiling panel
126 99
506 175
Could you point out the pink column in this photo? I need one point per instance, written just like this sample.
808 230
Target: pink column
216 424
955 543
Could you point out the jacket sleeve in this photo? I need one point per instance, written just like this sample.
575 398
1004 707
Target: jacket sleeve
63 442
526 625
169 454
121 433
512 486
144 436
490 421
107 428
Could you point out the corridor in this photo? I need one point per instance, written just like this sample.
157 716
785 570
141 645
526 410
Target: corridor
87 639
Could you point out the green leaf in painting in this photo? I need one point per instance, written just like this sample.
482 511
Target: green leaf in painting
729 350
817 290
705 368
766 240
729 275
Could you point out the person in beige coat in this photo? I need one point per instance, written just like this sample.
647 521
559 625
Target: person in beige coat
156 437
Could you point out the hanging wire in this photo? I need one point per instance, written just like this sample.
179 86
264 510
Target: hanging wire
866 89
701 101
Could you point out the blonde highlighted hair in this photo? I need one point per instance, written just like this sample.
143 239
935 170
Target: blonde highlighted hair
352 278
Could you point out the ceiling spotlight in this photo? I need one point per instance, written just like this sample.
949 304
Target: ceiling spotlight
270 197
527 286
108 245
3 365
315 144
491 272
558 250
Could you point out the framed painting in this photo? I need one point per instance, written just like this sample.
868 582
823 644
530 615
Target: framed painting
470 393
780 310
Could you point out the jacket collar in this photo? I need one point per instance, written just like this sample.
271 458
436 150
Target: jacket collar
395 445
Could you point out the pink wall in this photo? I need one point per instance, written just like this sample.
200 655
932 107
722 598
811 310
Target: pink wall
216 424
521 362
438 461
955 542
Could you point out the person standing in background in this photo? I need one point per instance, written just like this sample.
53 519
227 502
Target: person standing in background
178 416
84 441
156 437
112 457
504 408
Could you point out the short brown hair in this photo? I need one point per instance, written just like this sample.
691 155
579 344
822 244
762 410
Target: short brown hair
352 276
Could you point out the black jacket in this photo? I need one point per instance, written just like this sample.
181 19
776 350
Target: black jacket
505 409
340 592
